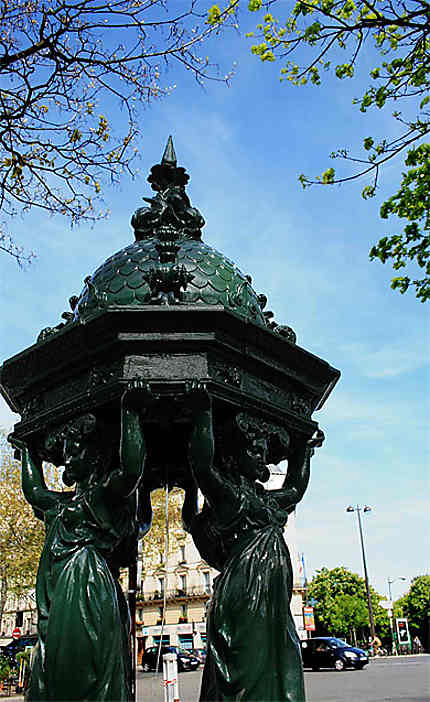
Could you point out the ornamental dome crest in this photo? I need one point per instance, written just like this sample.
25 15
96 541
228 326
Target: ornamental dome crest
168 263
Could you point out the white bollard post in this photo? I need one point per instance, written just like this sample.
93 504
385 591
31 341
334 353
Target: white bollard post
170 677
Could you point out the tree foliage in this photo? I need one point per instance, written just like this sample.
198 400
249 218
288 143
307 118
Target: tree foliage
5 668
349 614
21 534
415 605
341 604
412 204
154 543
313 37
64 66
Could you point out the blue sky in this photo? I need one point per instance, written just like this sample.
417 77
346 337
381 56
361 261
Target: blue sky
244 147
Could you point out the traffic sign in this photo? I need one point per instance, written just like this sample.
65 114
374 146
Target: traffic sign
16 633
403 636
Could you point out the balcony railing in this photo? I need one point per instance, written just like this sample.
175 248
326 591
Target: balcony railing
196 591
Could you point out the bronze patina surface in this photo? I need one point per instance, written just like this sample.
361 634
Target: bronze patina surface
168 338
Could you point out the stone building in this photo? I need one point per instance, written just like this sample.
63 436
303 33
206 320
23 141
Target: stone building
187 582
19 612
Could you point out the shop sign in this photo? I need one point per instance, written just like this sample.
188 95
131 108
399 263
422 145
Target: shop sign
154 630
308 616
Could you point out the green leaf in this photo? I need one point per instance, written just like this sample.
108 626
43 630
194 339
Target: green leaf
328 176
214 15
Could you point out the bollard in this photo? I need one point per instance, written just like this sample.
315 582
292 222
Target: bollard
170 677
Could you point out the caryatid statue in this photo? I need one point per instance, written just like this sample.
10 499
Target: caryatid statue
253 651
83 649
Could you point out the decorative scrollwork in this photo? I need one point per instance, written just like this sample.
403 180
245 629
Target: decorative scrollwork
286 332
226 373
69 317
104 374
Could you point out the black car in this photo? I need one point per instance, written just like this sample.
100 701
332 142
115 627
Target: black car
15 646
186 661
199 653
329 652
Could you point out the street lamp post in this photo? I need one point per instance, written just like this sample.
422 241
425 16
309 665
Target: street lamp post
357 509
390 613
390 582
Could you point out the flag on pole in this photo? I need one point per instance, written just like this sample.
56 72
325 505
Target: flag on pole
302 568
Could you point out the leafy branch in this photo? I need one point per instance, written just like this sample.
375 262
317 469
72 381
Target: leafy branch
318 31
60 62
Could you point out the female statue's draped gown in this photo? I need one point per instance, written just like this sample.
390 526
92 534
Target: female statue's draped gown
83 651
253 648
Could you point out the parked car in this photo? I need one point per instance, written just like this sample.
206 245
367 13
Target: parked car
186 661
329 652
199 653
15 646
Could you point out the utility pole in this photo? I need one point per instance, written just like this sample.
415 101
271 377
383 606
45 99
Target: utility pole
366 578
390 614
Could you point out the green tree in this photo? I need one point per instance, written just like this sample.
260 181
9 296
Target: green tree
311 37
5 668
21 534
154 544
336 592
349 615
66 68
415 605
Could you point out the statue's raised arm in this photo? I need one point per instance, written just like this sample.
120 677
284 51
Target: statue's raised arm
135 402
297 477
218 492
32 479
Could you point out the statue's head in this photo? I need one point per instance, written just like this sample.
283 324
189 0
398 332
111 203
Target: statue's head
247 444
251 448
243 447
81 446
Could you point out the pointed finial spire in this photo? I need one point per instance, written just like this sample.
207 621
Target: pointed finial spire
169 156
171 209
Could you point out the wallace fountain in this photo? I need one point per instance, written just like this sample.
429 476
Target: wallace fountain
167 370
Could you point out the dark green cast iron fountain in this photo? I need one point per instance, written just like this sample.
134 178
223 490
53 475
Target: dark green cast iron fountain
167 370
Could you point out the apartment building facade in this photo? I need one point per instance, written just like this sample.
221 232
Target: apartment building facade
184 585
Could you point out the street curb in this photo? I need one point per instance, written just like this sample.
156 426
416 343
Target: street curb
405 655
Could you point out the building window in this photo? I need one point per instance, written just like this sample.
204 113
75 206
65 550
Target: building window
161 586
207 581
19 619
182 550
184 611
183 586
